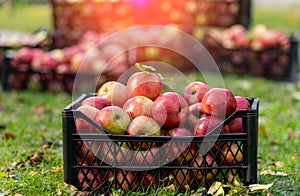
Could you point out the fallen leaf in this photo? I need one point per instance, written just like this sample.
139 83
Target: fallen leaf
3 191
35 160
294 158
33 173
260 187
39 110
214 188
278 164
273 173
9 136
292 133
171 187
56 170
281 174
296 96
64 188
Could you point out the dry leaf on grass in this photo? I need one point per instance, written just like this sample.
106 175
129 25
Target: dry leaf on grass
216 189
260 187
273 173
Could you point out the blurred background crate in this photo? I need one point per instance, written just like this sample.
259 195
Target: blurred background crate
71 19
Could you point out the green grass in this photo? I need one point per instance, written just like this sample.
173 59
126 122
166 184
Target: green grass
29 117
26 18
286 19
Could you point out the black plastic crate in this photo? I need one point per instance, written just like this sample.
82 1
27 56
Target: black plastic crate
72 19
99 162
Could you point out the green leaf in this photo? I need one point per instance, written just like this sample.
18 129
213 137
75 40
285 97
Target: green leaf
260 187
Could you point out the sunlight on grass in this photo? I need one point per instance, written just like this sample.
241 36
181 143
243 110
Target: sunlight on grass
286 19
26 18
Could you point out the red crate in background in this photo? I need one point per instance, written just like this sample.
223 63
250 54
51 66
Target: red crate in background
72 19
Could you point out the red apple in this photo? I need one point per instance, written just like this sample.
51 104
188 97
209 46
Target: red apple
242 103
149 158
124 179
191 122
89 178
270 39
97 102
259 31
143 125
170 110
26 54
148 179
195 113
238 34
231 153
236 125
194 92
206 162
183 151
82 125
144 84
44 62
138 106
208 123
112 153
70 51
219 102
182 179
283 40
76 60
63 68
84 153
232 175
114 92
114 119
196 109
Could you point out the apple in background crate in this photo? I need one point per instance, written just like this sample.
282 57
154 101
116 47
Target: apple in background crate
26 54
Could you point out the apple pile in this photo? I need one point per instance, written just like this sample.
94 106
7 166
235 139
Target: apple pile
84 55
141 108
19 39
259 38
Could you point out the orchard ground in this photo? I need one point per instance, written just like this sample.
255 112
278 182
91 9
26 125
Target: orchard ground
31 129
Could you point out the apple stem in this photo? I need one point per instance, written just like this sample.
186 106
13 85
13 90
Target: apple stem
144 68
